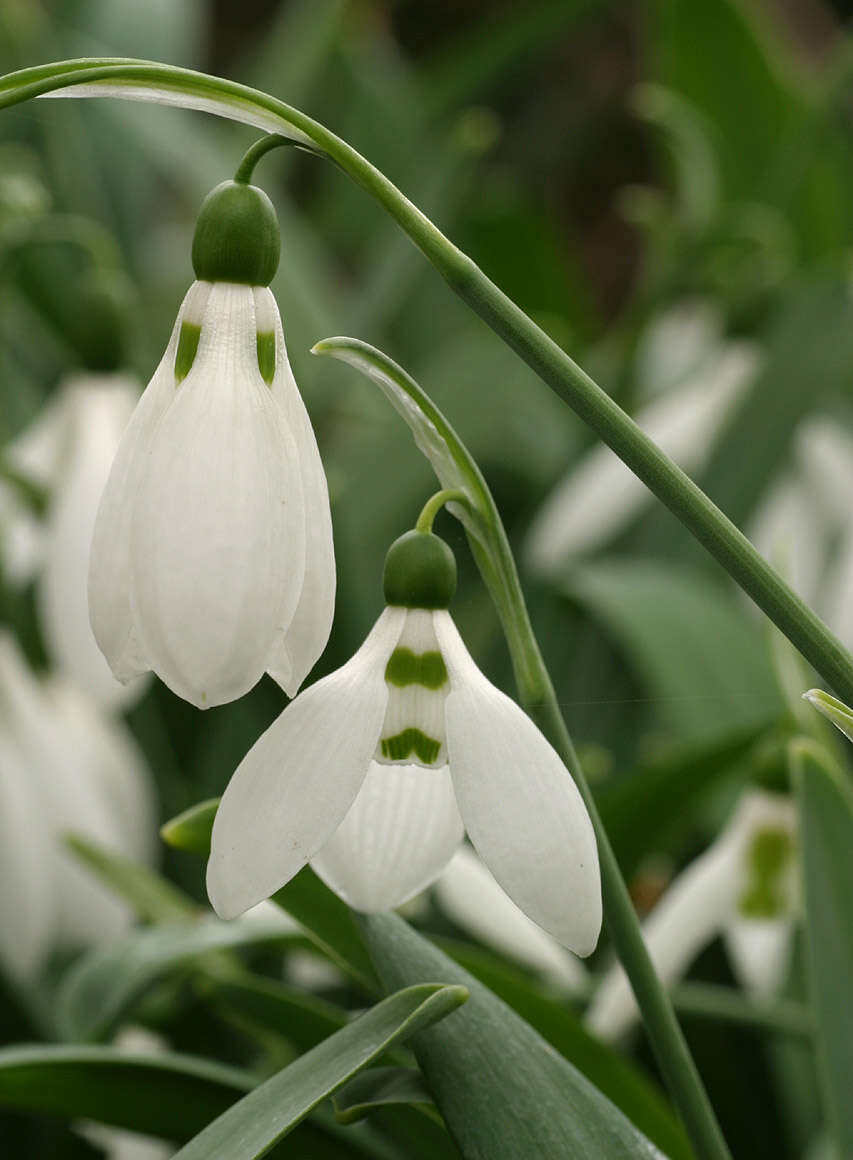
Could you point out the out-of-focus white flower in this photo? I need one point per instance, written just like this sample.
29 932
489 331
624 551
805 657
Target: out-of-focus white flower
63 768
601 495
212 558
807 518
677 344
67 453
468 894
744 888
374 773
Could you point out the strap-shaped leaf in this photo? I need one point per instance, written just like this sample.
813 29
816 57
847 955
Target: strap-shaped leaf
613 1074
325 919
102 986
263 1117
826 834
502 1090
377 1087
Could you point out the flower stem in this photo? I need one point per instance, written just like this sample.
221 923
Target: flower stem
148 80
434 505
253 155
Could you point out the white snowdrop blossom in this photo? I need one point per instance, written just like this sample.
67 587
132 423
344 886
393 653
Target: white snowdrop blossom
600 495
805 520
467 893
212 558
743 888
68 453
375 772
64 767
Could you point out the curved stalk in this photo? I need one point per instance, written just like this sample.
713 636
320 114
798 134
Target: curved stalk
148 81
459 475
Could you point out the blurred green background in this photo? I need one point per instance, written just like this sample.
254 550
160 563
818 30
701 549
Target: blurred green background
656 184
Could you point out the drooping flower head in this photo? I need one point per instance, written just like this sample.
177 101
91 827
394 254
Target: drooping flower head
212 558
743 888
374 773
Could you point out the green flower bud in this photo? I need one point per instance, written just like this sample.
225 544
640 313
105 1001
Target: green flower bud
420 572
236 236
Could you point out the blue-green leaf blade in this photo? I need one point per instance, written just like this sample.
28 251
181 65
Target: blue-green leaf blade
259 1120
826 829
487 1051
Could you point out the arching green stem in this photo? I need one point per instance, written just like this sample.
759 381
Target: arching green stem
253 155
434 505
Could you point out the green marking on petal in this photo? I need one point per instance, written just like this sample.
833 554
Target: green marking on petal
398 747
769 854
187 347
266 356
409 668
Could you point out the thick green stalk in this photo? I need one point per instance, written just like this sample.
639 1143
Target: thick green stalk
150 81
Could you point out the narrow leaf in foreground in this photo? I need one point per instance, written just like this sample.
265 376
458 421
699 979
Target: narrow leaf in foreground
487 1051
104 984
826 828
258 1121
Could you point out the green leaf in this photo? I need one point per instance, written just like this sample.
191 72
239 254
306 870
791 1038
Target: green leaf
263 1117
502 1090
152 897
300 1016
105 983
826 833
166 1095
190 830
703 660
326 920
170 1096
832 709
378 1087
614 1075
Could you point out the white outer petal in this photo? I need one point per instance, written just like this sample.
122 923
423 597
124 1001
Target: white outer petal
217 544
760 952
26 883
469 895
601 495
308 632
521 808
98 410
109 585
297 782
398 836
688 916
117 769
70 800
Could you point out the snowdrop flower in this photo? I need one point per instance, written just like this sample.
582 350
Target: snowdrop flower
808 512
601 495
374 773
68 453
212 558
744 888
468 894
63 767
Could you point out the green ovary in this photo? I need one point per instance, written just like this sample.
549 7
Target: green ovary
768 858
409 668
401 745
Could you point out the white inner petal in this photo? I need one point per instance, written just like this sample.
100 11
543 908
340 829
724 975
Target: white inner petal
413 731
398 836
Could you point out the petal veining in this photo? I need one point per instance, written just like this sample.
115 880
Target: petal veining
218 532
296 784
398 836
521 808
307 632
